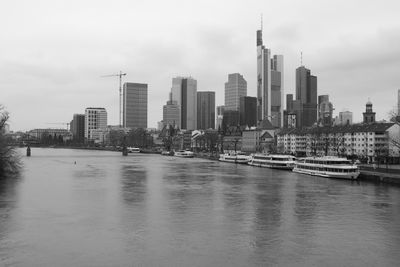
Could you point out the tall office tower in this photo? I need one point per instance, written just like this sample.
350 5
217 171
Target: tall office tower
398 102
248 111
134 104
78 128
269 84
220 116
172 113
235 87
95 118
205 110
184 92
345 118
306 93
325 111
368 115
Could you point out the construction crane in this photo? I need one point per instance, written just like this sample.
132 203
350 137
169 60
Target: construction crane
120 74
63 123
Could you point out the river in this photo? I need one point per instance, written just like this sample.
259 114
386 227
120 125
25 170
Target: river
97 208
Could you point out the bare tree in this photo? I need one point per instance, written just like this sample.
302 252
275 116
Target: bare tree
9 160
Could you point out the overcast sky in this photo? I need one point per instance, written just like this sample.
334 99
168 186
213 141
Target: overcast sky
52 53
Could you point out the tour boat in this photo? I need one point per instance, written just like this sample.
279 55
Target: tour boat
330 167
133 149
234 157
285 162
184 154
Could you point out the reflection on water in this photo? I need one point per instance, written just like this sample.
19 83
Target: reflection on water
92 208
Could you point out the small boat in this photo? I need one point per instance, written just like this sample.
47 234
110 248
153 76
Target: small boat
330 167
234 157
284 162
133 149
184 154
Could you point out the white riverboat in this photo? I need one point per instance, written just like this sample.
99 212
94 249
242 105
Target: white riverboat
234 157
184 154
330 167
284 162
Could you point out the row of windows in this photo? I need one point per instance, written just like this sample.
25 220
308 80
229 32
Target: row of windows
322 169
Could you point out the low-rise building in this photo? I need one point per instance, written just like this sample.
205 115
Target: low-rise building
364 141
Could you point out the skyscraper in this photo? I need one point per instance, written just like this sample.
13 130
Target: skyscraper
269 84
134 105
78 128
325 111
95 118
172 113
205 110
184 92
235 87
248 111
345 118
306 93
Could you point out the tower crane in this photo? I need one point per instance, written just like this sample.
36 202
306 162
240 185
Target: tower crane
120 74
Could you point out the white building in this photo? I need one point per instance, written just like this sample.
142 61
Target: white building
366 141
95 118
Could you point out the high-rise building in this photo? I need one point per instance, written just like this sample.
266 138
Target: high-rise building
325 111
248 111
205 110
345 118
78 128
134 105
172 113
235 87
184 92
306 93
95 118
398 102
270 87
368 115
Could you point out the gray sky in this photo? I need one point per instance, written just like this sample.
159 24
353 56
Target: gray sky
54 52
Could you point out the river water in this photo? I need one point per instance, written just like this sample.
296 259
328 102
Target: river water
95 208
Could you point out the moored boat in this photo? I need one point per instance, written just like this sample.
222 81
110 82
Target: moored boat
284 162
167 153
184 154
234 157
330 167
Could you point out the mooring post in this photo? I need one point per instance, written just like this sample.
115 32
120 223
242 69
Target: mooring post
28 151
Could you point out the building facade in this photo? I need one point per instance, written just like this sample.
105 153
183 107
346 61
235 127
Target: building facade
306 94
368 115
78 128
205 110
95 118
134 105
235 88
364 141
270 89
172 113
184 93
345 118
248 111
325 111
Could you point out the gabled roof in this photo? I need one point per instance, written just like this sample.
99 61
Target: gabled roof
265 124
266 135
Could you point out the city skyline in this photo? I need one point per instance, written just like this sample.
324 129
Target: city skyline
49 64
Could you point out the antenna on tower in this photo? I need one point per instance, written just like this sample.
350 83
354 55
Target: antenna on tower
262 22
301 58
